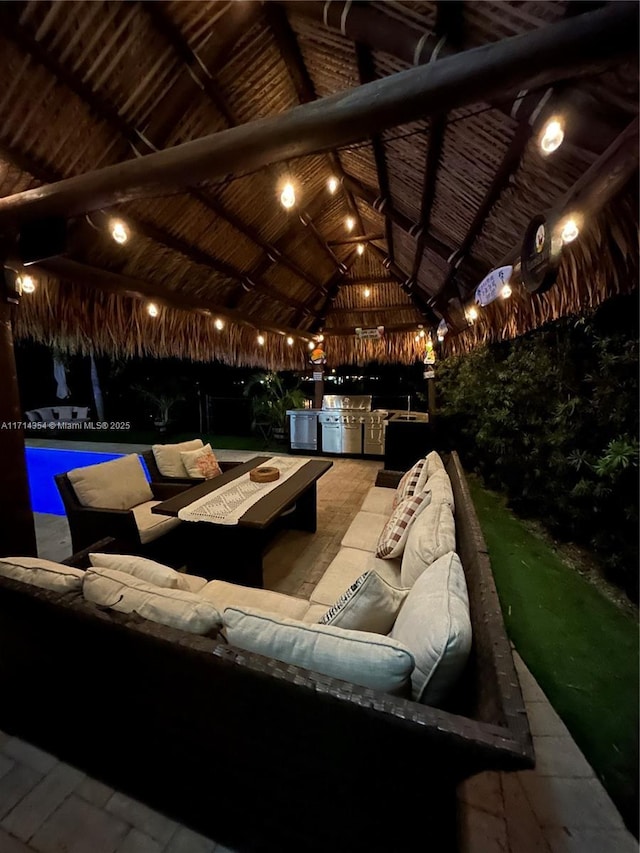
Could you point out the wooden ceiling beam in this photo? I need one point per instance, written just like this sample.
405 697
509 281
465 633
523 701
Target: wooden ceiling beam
437 127
532 60
369 280
360 238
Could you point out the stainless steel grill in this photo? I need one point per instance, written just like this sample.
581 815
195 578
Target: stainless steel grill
342 419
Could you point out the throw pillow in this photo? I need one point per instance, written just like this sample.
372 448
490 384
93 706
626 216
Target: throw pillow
201 463
434 463
127 594
434 623
43 573
168 458
369 660
148 571
432 536
370 604
119 484
408 483
394 536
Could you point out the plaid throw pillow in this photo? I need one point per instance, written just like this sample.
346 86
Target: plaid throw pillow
394 536
409 482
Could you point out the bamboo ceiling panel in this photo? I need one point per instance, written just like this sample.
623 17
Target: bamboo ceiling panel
329 57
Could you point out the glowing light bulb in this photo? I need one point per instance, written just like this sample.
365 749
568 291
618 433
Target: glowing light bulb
367 293
332 185
350 223
569 231
260 340
417 339
440 338
290 341
288 196
219 324
27 284
152 309
422 333
360 249
506 292
472 314
319 338
119 231
312 345
552 136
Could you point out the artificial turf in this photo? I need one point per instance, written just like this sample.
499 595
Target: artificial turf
580 646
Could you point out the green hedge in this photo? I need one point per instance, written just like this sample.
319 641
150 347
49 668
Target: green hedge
551 419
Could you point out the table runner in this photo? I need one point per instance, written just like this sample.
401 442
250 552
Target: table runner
228 503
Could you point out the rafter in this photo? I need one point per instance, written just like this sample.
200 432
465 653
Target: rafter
437 127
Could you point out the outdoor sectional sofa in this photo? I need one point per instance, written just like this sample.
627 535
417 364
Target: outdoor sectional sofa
256 753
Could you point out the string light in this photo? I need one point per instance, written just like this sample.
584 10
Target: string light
349 223
288 196
417 339
260 340
569 231
312 345
506 292
552 136
152 309
472 314
319 338
367 293
360 248
332 185
440 337
290 341
219 324
119 231
422 333
27 284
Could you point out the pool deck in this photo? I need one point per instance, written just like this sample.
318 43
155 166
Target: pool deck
47 806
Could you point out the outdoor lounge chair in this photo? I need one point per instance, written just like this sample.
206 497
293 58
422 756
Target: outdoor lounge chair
157 478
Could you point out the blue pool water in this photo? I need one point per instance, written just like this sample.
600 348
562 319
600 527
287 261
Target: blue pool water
43 463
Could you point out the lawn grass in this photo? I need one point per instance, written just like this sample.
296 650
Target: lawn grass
580 646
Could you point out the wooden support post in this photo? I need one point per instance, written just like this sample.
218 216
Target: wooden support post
318 385
17 529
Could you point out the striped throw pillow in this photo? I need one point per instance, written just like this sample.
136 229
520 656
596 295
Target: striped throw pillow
394 535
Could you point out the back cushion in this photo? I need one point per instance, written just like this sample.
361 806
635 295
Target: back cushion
370 660
432 535
143 569
128 594
434 463
168 457
119 484
439 484
434 624
42 573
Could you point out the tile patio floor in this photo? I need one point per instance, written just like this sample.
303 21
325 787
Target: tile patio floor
46 806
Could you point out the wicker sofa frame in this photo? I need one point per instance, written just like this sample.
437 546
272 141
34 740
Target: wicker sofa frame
258 754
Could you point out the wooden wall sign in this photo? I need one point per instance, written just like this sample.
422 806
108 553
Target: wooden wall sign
364 334
491 286
540 255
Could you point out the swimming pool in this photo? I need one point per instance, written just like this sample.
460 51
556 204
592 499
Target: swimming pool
43 463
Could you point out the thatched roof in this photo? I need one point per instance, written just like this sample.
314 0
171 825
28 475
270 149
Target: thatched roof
85 85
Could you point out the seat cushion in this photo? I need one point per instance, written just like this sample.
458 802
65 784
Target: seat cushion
314 613
173 607
223 594
432 535
369 604
393 537
168 457
346 567
434 623
42 573
364 531
370 660
118 484
201 463
149 571
379 500
152 526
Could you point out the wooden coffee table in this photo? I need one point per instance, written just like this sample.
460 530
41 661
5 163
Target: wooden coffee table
234 552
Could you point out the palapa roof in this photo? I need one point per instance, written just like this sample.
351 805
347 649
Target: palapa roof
439 201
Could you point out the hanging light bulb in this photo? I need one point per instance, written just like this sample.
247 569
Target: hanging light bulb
119 231
422 333
319 338
552 136
417 339
26 284
311 345
152 309
367 293
332 185
440 337
219 324
360 248
260 340
506 292
350 223
569 231
288 195
290 341
472 314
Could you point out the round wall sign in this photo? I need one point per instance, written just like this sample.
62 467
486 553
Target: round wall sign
539 256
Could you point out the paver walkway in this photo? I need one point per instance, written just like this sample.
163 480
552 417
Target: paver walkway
47 806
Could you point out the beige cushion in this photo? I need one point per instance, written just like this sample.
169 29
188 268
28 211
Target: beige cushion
201 463
42 573
148 571
439 485
370 604
434 623
152 526
434 463
394 535
119 484
346 567
379 500
314 613
127 594
169 460
370 660
432 535
364 531
223 594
